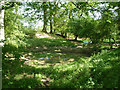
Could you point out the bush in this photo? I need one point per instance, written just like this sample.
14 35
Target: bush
105 71
30 32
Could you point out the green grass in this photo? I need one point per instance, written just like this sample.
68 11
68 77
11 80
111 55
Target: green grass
61 74
98 71
68 66
45 42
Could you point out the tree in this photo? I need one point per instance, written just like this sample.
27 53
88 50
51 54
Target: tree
2 38
44 5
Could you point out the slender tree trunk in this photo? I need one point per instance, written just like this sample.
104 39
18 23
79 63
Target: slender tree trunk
51 26
119 25
54 23
51 14
119 42
54 15
70 14
76 37
45 20
101 41
65 35
119 17
62 33
114 42
119 21
110 43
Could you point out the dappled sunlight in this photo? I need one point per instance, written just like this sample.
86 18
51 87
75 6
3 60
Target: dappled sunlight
50 61
43 35
21 76
58 50
66 73
64 41
79 46
46 42
57 66
71 59
60 45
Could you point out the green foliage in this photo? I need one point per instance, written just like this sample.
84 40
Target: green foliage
55 62
84 28
83 72
15 33
106 69
29 32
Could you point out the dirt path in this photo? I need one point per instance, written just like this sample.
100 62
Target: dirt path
44 35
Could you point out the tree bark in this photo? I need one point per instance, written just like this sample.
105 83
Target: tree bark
119 21
51 14
45 20
110 43
114 42
76 37
54 15
65 35
54 23
2 37
51 26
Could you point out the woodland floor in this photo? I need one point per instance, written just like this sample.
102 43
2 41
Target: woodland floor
49 62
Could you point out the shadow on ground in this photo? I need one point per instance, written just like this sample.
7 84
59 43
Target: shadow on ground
58 63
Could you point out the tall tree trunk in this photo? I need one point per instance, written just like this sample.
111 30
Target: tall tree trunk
51 14
2 37
119 21
44 17
70 14
119 17
54 22
54 15
51 26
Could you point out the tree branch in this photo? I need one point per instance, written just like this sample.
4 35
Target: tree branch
76 5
